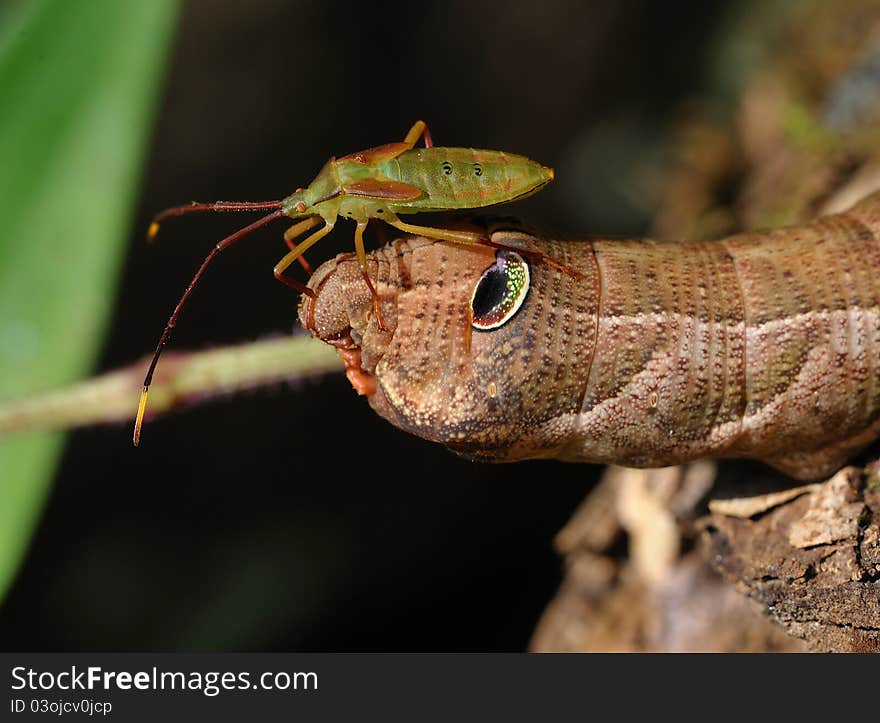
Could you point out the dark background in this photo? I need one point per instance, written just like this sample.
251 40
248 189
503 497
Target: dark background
277 520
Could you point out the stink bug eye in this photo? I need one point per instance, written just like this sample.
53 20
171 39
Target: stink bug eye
500 292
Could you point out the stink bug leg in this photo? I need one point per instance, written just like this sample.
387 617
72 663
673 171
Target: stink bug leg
362 263
419 130
442 234
299 229
297 252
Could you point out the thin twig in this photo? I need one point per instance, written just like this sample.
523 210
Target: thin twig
186 378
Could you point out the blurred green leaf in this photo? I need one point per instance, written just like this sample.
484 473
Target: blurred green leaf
78 81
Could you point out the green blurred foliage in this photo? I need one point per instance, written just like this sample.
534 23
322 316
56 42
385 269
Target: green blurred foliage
78 81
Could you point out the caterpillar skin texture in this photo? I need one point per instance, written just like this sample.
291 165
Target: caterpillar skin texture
763 345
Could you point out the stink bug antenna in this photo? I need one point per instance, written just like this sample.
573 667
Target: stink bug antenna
217 206
224 244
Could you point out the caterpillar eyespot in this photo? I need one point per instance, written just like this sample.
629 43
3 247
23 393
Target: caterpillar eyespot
500 291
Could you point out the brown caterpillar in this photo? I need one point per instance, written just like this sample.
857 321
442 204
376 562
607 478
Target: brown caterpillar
763 345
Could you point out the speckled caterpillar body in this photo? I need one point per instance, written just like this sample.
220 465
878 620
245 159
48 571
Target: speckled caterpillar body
763 345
